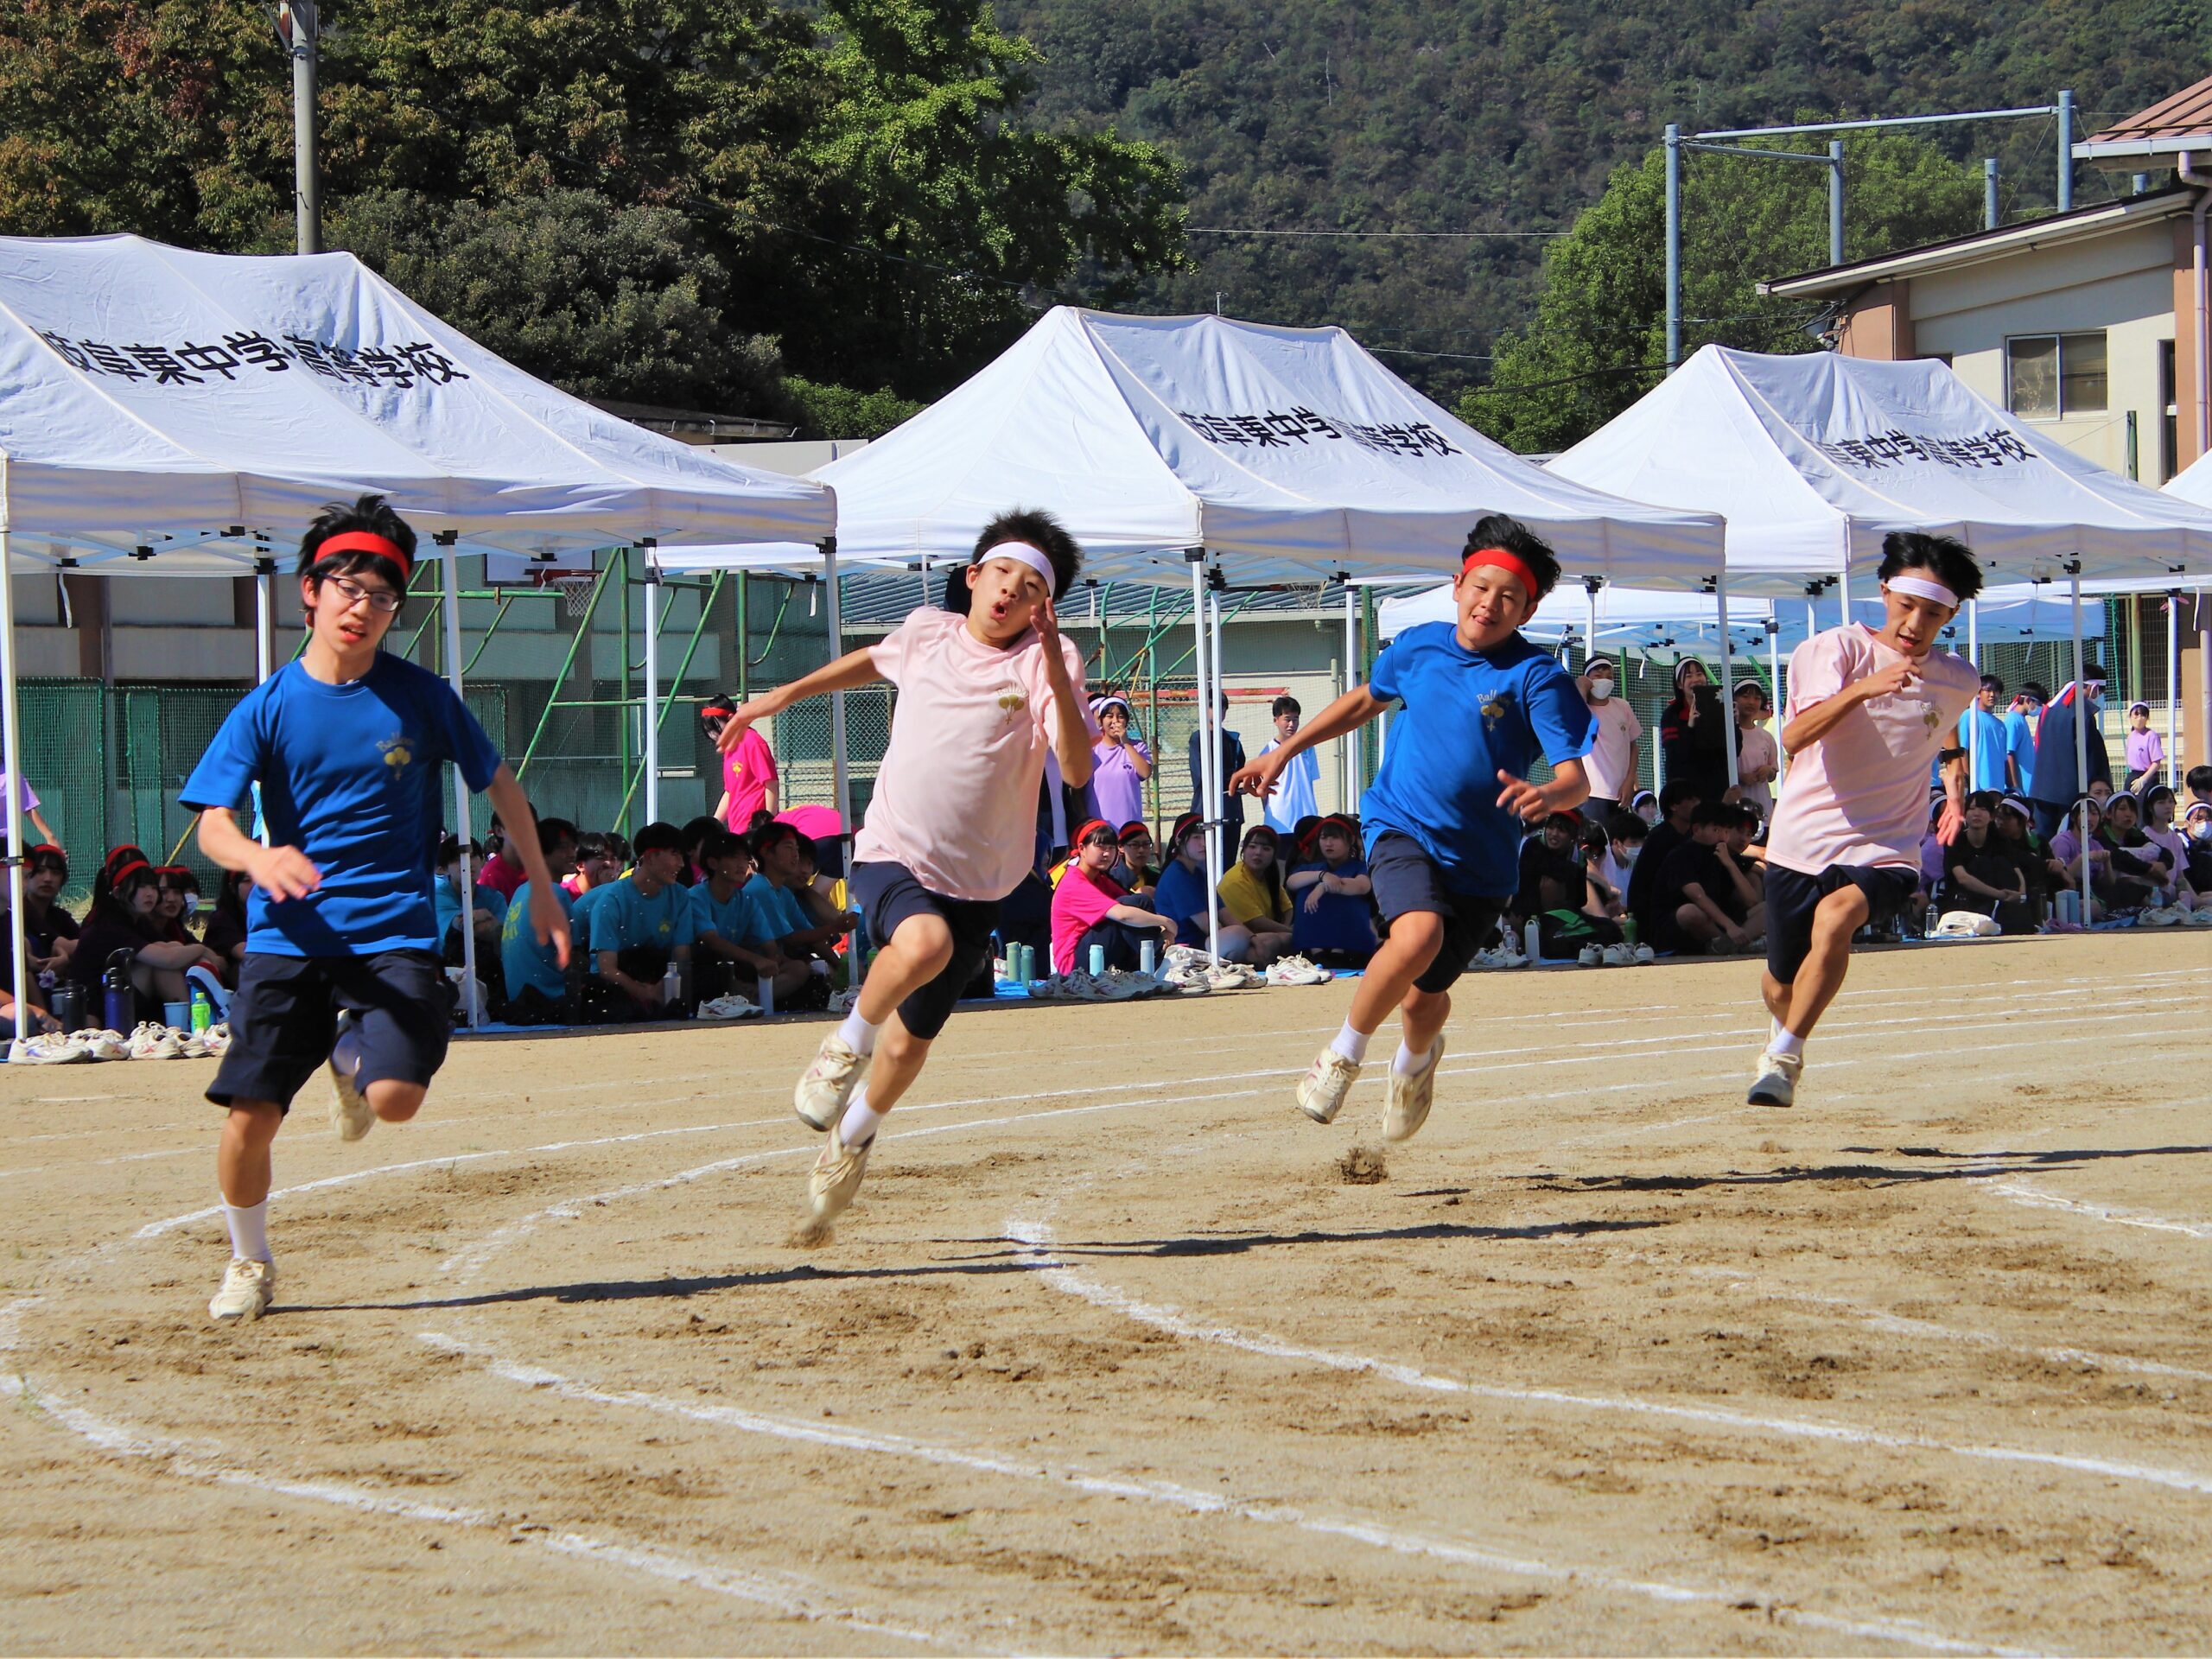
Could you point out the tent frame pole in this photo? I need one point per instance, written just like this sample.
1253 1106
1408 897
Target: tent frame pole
264 619
1974 726
1348 745
1209 753
1774 690
650 745
11 759
1222 852
2082 717
840 782
1727 685
472 1009
2173 691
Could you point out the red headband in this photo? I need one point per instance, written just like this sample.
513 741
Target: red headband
1094 823
115 877
1504 560
365 541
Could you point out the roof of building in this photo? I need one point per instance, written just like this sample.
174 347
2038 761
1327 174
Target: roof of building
2183 121
2083 224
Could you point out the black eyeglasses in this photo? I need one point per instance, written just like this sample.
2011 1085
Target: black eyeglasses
381 599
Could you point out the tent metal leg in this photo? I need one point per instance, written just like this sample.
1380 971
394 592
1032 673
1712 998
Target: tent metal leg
11 759
1974 726
651 744
264 619
1774 687
1350 742
1209 753
2173 691
840 782
1727 683
2082 718
472 1010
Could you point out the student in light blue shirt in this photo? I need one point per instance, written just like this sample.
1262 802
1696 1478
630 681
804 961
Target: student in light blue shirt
1989 746
537 985
735 951
1297 793
640 923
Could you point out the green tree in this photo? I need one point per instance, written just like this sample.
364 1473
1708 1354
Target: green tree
1599 340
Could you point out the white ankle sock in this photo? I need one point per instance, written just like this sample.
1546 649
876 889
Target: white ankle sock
1785 1043
1352 1045
858 1034
249 1230
1405 1062
857 1127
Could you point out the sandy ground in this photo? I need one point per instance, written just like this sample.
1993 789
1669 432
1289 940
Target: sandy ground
1119 1353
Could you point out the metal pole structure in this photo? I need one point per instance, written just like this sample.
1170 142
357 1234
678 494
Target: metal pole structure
1973 633
1727 683
300 30
622 715
2173 690
2080 738
1674 142
1348 745
1990 211
841 781
264 619
1774 684
651 743
2066 151
1209 802
1224 852
1590 586
1835 201
471 1006
1974 726
744 636
11 761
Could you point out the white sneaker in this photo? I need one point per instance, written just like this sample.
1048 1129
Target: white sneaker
1617 956
1776 1082
1297 970
51 1050
1406 1100
841 1003
1120 984
350 1114
1189 981
216 1037
1644 955
248 1288
1510 957
153 1042
732 1006
102 1045
1233 976
1321 1091
2201 917
1488 957
835 1180
825 1088
1590 956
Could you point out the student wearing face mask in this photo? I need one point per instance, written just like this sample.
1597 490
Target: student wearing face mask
1612 760
2053 784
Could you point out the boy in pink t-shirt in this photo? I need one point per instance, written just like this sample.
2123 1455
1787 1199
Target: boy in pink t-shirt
1868 711
984 692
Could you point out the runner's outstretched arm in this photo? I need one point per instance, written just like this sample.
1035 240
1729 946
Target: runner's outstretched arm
1347 714
854 668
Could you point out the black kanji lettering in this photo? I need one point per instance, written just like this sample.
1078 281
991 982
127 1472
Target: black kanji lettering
258 349
311 353
208 360
106 360
387 367
433 365
71 353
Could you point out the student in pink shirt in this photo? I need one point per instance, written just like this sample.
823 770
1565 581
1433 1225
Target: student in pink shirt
1868 711
985 690
748 770
1090 908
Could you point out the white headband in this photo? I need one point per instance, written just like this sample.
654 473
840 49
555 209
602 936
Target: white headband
1022 553
1922 587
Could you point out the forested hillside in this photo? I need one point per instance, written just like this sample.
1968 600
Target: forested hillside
1465 115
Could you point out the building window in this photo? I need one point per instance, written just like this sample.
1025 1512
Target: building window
2051 376
2169 421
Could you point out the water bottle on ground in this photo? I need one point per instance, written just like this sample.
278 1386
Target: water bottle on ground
671 989
1098 960
1147 954
1935 920
1531 941
203 1011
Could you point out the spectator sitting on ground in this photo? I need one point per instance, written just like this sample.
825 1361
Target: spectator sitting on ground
734 950
1982 872
2197 780
1333 913
536 984
790 865
487 911
1134 869
499 872
1253 894
1678 803
639 924
1090 909
2159 831
1645 805
782 864
2147 750
1297 795
180 900
2140 868
695 837
2196 836
1181 895
2067 854
1551 876
50 931
1705 900
598 862
2012 821
1931 853
121 922
1593 846
1625 835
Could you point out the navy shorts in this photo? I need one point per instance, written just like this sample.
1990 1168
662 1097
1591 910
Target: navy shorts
886 894
284 1019
1406 879
1792 897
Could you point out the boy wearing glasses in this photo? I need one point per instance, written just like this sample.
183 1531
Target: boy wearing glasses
341 964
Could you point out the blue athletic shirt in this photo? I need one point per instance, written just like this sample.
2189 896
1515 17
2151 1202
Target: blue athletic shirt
622 917
737 919
524 960
1180 894
776 909
1468 715
349 774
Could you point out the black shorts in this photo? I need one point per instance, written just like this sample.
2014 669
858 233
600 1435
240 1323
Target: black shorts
1405 879
284 1019
886 894
1792 897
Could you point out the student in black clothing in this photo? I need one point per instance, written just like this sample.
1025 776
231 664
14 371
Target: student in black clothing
1551 877
1705 901
1982 873
1678 801
50 931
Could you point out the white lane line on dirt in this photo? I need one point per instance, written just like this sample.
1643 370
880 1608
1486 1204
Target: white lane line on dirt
790 1596
883 1443
2035 1198
1037 1237
1901 1325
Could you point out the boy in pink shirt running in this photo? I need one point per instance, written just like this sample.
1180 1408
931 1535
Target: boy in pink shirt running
984 692
1868 712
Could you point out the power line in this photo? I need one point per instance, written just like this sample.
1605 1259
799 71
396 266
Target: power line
1233 230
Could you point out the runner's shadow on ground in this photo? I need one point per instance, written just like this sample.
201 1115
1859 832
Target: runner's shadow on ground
674 1289
1955 1167
1239 1243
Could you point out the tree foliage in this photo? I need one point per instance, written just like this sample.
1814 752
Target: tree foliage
1599 340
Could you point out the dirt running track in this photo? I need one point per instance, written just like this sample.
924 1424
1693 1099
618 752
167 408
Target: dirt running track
1118 1353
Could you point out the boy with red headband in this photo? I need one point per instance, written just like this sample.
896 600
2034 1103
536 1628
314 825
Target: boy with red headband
1443 819
1868 711
986 687
341 964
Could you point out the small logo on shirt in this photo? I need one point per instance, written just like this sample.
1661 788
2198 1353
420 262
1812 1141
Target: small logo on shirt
397 751
1014 700
1495 710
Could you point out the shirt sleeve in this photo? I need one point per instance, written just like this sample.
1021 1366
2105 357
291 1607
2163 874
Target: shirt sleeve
687 920
1382 679
226 773
1557 714
467 744
1635 728
1816 670
890 654
605 925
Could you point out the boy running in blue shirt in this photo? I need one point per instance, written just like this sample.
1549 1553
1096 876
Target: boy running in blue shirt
342 963
1443 819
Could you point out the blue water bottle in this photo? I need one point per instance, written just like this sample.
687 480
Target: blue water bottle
1098 960
116 984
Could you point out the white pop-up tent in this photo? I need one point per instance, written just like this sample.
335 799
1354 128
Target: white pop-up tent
1288 454
173 413
2194 484
1814 458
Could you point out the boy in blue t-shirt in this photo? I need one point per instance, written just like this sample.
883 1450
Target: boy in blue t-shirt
341 966
1443 819
535 978
640 923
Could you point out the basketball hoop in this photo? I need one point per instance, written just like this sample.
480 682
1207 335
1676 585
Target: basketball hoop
576 593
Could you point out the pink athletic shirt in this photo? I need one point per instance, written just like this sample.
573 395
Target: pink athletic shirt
1079 903
1860 796
747 770
955 798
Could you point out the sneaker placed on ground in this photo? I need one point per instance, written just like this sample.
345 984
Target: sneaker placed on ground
190 1045
1590 956
1644 954
1297 970
1776 1082
2201 917
1509 956
840 1003
825 1088
154 1041
1488 957
835 1180
1121 984
1406 1100
102 1045
1321 1091
2164 916
732 1006
1185 979
52 1049
1617 956
248 1288
350 1114
216 1037
1234 977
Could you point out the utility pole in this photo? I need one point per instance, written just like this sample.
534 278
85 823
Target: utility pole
299 32
2066 151
1990 212
1674 245
1835 201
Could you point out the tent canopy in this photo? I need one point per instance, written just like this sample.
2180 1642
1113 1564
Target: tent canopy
165 400
1289 452
1814 458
